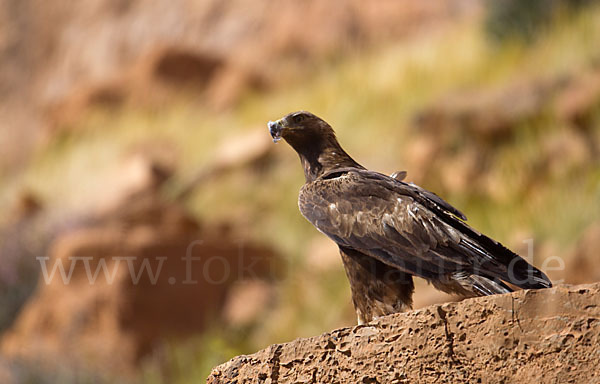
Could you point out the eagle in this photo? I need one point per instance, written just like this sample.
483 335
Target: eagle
388 230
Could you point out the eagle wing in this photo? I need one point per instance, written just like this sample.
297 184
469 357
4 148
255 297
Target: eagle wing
407 227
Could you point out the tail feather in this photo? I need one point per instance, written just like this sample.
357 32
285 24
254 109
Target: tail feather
484 286
498 261
502 263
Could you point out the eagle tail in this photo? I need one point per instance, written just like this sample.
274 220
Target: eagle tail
504 264
495 259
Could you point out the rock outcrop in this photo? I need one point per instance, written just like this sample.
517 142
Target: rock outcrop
58 59
488 118
545 336
116 287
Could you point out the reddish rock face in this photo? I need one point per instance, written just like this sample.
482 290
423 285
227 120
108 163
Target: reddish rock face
165 277
584 260
57 59
489 117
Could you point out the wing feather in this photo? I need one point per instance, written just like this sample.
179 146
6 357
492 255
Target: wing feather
407 227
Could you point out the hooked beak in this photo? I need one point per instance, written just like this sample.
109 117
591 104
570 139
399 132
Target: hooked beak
275 129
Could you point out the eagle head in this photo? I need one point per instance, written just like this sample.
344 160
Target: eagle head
315 142
299 128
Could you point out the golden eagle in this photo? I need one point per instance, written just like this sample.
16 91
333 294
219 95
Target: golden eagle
388 230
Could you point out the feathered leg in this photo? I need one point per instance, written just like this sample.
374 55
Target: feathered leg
377 289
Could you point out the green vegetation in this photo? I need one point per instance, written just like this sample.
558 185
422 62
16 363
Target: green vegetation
526 19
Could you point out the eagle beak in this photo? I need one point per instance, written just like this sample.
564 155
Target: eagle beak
275 129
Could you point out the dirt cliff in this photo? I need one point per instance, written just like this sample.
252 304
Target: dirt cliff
529 336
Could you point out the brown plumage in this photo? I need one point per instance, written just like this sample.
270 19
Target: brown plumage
388 230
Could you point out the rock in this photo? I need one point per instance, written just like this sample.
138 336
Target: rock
185 68
563 152
469 127
488 115
24 233
26 206
231 83
246 301
63 57
583 265
323 254
149 291
577 102
140 172
6 375
420 154
244 151
543 336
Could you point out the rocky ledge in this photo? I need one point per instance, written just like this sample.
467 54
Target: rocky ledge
547 336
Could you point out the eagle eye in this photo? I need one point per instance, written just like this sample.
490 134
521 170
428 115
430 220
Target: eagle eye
297 119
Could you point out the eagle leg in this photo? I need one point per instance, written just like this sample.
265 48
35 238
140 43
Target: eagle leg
377 289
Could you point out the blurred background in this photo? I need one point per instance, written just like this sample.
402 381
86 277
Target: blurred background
133 135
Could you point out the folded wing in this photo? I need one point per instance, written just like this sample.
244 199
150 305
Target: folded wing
409 228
